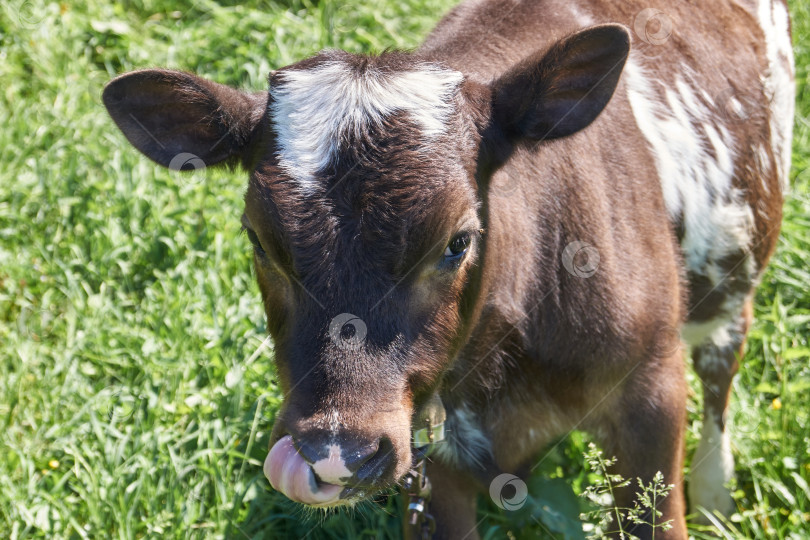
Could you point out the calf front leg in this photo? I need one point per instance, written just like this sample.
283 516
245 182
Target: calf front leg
646 435
452 505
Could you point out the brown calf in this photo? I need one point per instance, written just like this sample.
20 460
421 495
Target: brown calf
522 217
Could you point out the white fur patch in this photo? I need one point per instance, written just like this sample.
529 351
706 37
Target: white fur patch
712 469
333 418
712 330
314 108
778 81
694 158
466 443
583 19
763 164
332 468
698 333
715 331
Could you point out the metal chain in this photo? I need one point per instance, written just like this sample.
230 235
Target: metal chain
417 487
428 430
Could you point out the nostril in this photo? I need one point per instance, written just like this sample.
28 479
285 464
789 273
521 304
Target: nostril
310 453
356 458
380 462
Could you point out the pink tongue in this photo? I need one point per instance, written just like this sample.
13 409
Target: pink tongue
291 475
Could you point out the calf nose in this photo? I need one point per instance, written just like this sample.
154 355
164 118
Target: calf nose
327 473
339 461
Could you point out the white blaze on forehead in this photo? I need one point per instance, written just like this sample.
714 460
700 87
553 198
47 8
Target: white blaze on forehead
314 108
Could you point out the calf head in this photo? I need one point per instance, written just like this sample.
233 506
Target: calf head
364 207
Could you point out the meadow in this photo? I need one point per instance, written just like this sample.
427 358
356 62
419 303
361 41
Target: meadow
137 388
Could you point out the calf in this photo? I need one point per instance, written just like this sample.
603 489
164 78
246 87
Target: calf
523 218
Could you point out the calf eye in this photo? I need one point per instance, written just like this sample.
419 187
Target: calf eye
457 247
251 234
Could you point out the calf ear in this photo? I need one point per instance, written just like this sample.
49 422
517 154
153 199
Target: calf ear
561 91
176 118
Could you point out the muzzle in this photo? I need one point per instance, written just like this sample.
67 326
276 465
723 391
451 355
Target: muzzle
289 473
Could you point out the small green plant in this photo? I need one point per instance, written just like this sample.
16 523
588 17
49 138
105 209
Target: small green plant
608 518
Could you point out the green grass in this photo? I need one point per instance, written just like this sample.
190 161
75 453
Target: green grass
136 387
